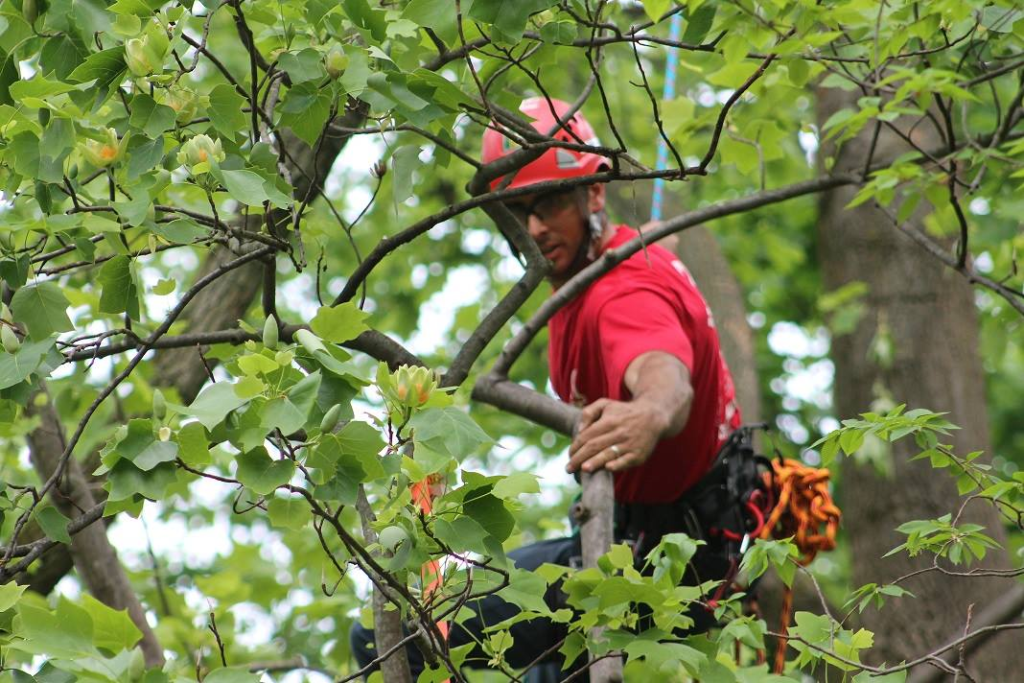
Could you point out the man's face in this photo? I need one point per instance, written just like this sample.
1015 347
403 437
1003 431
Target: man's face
557 223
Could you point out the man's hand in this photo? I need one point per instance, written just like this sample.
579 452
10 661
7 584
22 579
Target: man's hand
622 434
616 435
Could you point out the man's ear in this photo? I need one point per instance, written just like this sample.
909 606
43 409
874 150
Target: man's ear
595 197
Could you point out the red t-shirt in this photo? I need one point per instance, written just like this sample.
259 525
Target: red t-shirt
647 303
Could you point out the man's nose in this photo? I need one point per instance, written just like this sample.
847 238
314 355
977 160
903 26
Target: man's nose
536 227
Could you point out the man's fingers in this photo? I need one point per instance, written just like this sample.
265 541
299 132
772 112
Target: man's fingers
608 457
591 414
600 450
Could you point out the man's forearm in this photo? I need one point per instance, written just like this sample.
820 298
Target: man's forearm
661 383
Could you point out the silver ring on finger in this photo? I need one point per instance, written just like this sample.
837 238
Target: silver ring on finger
614 448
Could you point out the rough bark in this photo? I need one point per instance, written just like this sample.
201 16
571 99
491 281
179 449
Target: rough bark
597 510
929 312
94 556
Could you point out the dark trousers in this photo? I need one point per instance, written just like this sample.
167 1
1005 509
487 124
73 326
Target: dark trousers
533 638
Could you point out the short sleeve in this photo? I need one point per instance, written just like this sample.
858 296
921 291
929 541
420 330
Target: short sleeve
637 322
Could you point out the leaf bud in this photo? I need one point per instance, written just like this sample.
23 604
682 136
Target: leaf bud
136 58
30 10
336 61
310 341
331 419
9 339
270 332
159 405
200 150
184 102
105 151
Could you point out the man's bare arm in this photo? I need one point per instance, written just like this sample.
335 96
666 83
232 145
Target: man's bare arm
622 434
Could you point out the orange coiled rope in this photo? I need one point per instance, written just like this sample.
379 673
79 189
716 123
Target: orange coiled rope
805 512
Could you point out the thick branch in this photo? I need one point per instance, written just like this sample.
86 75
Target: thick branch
610 259
373 343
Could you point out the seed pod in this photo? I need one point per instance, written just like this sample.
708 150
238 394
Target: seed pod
331 418
309 341
9 339
270 332
159 405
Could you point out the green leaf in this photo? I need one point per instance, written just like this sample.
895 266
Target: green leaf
437 15
225 110
214 404
112 629
252 189
23 154
515 485
8 77
149 117
42 308
103 67
260 473
490 513
448 430
508 17
125 480
462 534
10 593
655 9
143 156
364 17
15 368
340 323
289 413
39 87
53 524
231 675
164 286
289 513
306 110
193 444
699 23
353 81
119 292
305 65
404 161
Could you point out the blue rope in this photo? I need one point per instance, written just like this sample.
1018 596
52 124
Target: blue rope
669 91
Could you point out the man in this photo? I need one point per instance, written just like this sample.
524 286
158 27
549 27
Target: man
638 349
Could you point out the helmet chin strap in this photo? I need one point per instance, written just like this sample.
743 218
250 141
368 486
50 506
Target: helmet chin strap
593 228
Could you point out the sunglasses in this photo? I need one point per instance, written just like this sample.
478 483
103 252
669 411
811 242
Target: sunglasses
544 206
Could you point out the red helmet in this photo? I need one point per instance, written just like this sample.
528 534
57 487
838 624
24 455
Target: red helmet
555 163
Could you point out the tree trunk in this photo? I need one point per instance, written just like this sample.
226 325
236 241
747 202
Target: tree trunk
929 312
94 556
